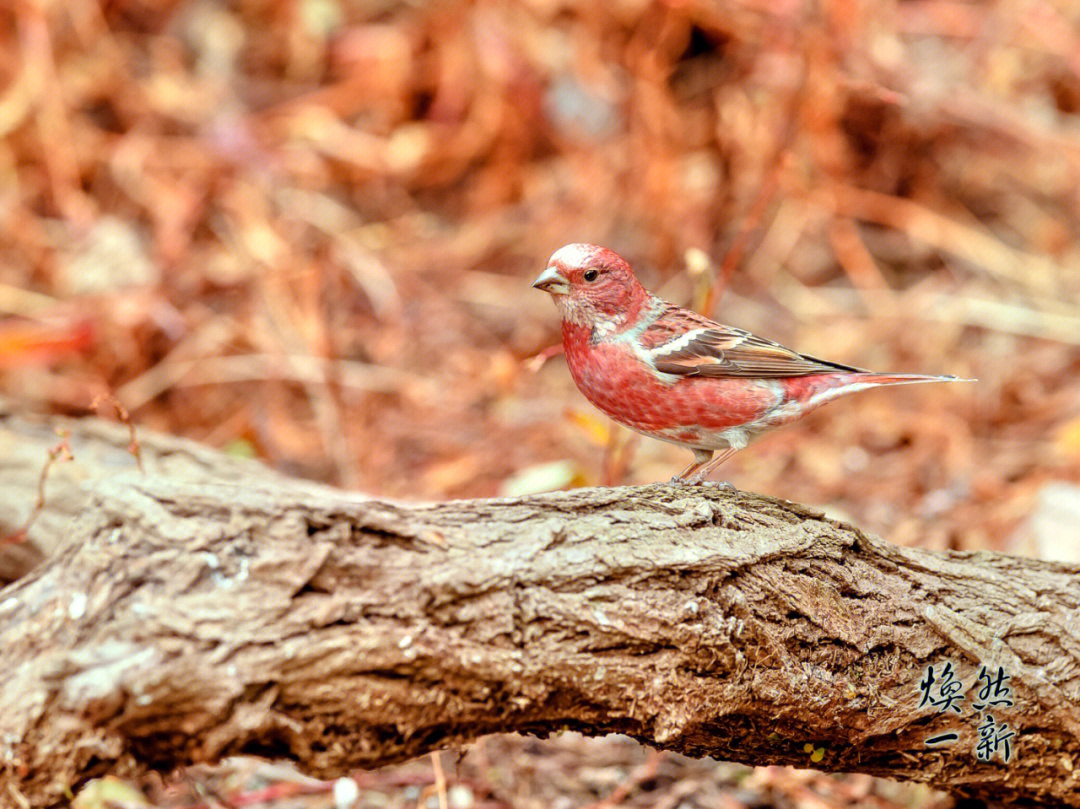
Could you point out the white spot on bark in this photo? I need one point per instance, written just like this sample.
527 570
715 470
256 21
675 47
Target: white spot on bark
9 742
77 607
346 793
405 642
601 618
107 669
228 582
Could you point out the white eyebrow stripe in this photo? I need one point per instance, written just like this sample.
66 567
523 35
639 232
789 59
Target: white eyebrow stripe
679 343
574 256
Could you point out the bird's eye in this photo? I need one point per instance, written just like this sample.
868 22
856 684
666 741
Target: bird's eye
591 275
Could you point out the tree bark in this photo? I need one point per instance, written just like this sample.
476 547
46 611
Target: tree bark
188 616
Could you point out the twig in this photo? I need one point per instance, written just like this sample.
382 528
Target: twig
751 226
282 789
967 242
992 315
125 418
440 779
61 452
536 362
618 455
298 368
853 257
644 772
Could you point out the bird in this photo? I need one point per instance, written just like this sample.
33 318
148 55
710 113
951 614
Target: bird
672 374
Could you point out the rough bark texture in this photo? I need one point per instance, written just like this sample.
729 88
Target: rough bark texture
184 620
100 449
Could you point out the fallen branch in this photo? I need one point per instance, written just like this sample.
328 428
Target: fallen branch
186 619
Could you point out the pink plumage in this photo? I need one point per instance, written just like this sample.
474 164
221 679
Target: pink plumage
671 374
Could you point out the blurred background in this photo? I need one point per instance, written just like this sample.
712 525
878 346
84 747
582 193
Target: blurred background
305 231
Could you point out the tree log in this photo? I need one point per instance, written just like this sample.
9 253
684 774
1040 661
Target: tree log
100 448
185 618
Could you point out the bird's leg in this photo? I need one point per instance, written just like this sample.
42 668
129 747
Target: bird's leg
701 458
700 471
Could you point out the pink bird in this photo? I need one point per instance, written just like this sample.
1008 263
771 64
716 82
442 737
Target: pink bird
671 374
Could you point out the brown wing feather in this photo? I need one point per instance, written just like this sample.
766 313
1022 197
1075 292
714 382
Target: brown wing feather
725 351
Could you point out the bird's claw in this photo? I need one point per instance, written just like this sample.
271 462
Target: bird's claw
719 484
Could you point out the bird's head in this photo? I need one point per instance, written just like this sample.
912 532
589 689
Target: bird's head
590 284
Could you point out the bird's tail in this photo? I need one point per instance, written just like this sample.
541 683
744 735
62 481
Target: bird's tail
815 390
903 379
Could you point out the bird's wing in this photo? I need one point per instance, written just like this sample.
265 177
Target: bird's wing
685 343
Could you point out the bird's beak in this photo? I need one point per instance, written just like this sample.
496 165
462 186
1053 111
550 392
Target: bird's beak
550 281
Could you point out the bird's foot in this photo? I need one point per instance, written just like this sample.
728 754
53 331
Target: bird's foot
694 481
